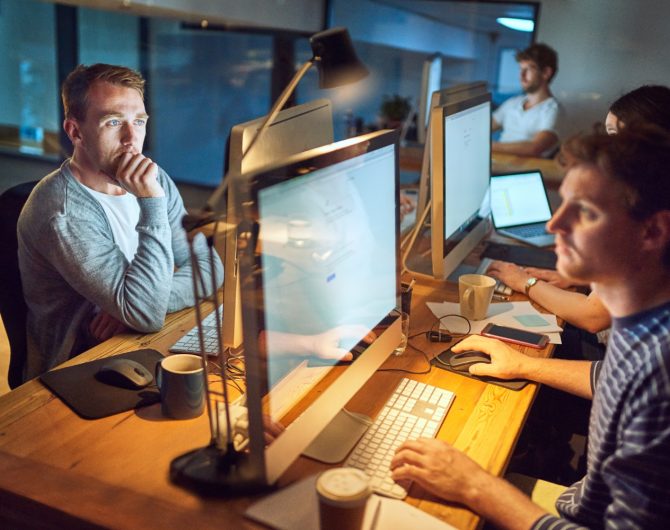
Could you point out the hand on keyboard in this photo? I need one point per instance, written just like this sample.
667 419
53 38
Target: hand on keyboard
438 468
415 410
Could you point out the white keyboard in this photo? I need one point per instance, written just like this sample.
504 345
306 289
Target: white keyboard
415 410
190 343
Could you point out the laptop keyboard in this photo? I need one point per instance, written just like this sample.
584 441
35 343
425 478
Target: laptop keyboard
190 343
415 410
528 231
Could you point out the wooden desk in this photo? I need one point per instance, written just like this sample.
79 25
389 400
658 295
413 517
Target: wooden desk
60 471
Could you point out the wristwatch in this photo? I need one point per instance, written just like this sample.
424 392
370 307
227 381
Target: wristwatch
529 283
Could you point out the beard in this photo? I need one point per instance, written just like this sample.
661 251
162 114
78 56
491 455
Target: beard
532 87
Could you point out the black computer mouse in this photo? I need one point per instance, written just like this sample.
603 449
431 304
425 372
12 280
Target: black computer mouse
124 373
461 362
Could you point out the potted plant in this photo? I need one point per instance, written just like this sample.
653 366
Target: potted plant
394 110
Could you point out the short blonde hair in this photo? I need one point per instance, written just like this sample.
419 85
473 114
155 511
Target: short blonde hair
77 84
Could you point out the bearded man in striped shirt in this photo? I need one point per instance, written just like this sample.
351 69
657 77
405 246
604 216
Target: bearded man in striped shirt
612 231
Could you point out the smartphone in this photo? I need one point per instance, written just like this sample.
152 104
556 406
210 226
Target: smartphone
517 336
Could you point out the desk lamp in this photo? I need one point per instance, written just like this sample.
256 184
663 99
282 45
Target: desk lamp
211 469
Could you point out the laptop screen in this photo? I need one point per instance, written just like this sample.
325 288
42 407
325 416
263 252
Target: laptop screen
519 199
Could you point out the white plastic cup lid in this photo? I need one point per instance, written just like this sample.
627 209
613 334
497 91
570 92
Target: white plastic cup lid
345 486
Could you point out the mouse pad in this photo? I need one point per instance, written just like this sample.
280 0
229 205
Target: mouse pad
78 388
442 361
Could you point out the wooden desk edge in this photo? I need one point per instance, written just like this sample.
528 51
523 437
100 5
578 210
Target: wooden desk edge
67 499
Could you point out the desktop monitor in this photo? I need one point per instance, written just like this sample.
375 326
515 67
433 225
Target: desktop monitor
440 98
319 256
293 130
431 81
460 174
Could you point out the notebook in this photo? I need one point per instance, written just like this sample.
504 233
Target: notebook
520 207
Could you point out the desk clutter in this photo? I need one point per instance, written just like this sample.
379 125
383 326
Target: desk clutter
79 388
297 506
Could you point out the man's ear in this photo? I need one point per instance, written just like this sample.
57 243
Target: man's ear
656 234
71 128
547 72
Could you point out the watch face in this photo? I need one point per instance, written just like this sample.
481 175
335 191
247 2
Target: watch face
530 283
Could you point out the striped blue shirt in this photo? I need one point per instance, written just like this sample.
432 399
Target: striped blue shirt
627 484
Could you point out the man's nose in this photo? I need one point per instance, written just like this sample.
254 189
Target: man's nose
128 134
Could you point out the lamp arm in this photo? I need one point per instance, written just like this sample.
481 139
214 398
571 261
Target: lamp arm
279 104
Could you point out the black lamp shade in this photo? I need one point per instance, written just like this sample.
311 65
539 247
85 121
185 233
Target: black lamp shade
336 58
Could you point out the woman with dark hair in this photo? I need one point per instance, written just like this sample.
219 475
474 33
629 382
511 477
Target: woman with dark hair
649 104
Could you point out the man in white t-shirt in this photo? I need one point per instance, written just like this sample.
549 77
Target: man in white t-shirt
529 121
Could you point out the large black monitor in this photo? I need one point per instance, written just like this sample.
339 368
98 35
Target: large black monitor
319 251
460 173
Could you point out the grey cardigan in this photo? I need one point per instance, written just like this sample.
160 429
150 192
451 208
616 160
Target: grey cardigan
70 264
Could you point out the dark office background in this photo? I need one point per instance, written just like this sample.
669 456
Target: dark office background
202 82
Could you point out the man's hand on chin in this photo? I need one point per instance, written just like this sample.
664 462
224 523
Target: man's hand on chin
138 175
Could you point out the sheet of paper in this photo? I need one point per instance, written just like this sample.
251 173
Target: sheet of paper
382 513
520 315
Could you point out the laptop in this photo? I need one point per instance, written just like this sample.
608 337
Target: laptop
520 207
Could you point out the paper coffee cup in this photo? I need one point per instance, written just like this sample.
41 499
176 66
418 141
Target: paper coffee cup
343 494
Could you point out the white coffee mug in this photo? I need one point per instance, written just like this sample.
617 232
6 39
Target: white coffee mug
475 292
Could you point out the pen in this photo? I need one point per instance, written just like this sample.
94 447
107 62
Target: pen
375 517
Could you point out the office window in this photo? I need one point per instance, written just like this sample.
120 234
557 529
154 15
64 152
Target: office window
110 38
28 80
201 84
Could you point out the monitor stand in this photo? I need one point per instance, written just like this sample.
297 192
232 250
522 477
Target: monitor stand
337 440
463 268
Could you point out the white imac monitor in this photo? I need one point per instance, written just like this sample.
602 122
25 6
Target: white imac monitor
319 273
293 131
437 99
431 81
460 174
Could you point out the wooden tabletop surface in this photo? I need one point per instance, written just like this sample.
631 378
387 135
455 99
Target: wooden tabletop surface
58 470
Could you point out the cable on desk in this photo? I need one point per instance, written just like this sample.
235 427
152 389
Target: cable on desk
452 334
447 334
403 370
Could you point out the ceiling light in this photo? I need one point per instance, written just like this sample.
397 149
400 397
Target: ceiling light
518 24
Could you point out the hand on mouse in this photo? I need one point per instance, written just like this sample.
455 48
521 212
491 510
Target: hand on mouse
506 362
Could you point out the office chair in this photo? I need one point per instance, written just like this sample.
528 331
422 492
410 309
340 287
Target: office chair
12 304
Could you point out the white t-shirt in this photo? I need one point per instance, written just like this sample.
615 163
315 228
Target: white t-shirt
520 125
123 214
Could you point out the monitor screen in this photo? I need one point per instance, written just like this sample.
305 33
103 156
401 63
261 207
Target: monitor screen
467 164
293 131
319 280
519 199
460 173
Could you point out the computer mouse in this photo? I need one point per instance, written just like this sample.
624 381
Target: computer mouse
124 373
461 362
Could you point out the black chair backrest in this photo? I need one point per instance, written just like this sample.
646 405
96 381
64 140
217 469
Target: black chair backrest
12 304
